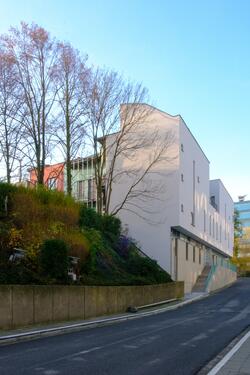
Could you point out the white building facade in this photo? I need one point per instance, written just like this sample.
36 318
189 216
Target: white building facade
187 222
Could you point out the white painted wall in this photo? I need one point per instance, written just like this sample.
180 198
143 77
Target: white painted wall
195 192
189 268
151 227
223 218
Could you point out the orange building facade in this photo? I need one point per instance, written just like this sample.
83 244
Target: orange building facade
53 177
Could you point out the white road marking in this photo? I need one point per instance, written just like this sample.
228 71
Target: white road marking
89 350
229 355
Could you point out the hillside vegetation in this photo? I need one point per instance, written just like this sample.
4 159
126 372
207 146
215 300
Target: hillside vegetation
49 226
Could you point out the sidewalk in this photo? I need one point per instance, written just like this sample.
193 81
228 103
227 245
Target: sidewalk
236 361
69 326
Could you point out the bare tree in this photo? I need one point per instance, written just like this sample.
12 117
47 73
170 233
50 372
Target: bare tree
34 55
140 155
71 78
116 134
10 120
103 97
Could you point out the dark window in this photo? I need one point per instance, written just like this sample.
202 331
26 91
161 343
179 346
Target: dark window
80 190
199 256
182 177
89 189
182 147
192 219
186 250
52 183
193 253
182 208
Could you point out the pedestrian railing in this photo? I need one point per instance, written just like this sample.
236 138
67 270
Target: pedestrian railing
213 270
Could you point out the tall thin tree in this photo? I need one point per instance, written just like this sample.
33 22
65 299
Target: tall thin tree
10 119
34 54
71 78
114 130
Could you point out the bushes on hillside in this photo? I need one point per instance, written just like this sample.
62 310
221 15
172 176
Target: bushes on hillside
50 226
54 259
6 191
109 226
147 268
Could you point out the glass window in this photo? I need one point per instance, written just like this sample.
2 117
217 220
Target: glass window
52 183
244 215
193 253
242 206
186 250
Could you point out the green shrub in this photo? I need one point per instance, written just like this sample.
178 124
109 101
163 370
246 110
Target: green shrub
89 218
22 272
111 227
108 225
147 268
5 191
46 196
54 259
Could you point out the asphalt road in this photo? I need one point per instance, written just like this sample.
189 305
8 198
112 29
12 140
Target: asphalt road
174 342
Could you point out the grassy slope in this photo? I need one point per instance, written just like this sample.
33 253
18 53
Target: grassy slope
36 215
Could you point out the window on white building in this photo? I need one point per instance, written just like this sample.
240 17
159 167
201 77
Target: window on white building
80 190
192 219
182 177
186 250
182 147
194 254
182 208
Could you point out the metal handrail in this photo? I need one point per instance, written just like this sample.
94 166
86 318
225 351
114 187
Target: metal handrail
210 275
212 271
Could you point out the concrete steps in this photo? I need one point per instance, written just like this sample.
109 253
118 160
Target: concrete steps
200 285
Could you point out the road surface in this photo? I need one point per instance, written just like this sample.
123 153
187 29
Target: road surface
173 342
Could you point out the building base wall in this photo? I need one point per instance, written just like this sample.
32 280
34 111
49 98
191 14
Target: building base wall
188 261
221 278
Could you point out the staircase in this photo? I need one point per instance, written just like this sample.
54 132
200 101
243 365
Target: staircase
200 285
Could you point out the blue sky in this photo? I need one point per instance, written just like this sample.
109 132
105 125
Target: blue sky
193 56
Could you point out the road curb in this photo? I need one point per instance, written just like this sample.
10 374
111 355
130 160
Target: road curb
23 336
215 365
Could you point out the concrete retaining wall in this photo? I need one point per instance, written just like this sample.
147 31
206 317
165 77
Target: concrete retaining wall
221 277
24 305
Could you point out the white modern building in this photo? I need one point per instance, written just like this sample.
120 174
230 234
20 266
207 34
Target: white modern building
176 214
